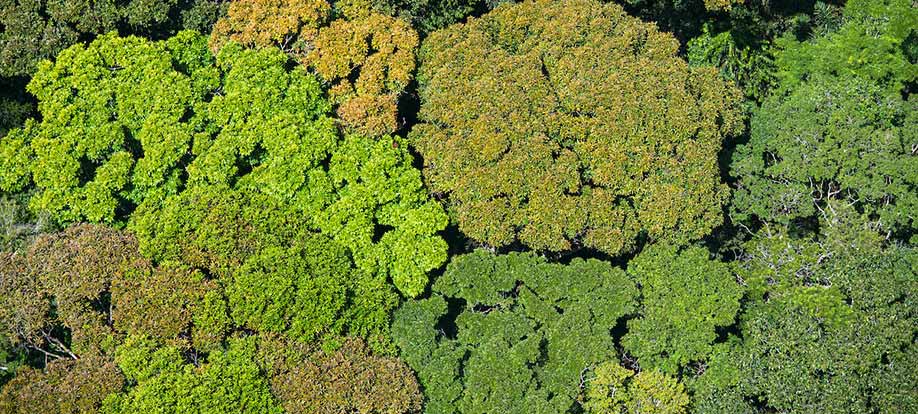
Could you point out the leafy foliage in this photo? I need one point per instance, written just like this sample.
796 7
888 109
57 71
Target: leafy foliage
847 141
551 143
617 390
230 381
248 235
75 293
427 16
751 68
240 122
377 52
525 332
838 128
162 303
685 297
75 269
34 30
870 45
127 92
826 336
68 386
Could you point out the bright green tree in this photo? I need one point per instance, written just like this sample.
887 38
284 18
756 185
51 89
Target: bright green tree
512 334
113 128
578 125
170 123
229 381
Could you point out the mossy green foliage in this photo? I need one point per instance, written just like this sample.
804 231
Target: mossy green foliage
614 389
525 332
111 330
243 233
229 381
578 125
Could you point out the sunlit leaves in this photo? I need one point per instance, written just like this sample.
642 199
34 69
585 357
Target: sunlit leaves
617 390
577 125
366 58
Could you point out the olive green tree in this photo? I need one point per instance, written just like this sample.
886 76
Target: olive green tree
565 124
348 379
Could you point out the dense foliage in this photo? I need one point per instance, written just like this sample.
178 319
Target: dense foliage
34 29
685 298
558 139
834 325
524 334
458 206
169 140
838 128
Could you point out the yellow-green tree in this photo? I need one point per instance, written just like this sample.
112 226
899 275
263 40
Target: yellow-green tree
569 123
614 389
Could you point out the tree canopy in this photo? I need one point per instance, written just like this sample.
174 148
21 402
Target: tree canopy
838 127
367 57
458 206
833 335
512 333
558 141
33 30
685 298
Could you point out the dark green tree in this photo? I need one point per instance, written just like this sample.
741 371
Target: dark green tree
838 127
512 334
33 30
828 331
